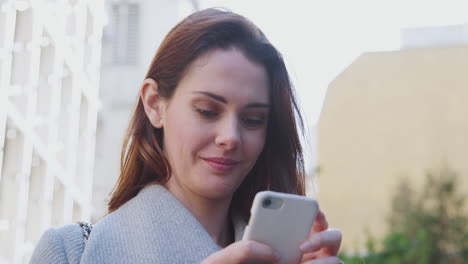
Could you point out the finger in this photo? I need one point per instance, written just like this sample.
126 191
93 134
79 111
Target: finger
311 255
320 223
243 251
315 255
252 250
329 260
329 240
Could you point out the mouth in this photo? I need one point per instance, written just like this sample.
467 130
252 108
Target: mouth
221 164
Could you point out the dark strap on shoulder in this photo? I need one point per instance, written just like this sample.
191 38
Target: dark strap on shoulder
86 228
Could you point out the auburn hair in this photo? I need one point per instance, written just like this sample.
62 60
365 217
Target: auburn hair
280 164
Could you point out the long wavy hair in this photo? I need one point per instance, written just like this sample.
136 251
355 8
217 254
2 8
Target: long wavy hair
280 164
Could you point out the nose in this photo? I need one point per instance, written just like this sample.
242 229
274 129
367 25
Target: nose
228 136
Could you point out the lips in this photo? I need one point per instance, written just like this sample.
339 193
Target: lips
221 164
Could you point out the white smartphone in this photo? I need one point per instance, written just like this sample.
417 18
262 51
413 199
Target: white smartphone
282 221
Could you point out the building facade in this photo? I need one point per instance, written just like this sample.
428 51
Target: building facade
50 55
390 115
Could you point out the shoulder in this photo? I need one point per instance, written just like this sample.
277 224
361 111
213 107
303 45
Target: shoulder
59 245
153 227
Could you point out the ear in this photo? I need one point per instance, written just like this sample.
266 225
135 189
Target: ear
153 103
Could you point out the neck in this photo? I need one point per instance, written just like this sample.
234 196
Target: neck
212 214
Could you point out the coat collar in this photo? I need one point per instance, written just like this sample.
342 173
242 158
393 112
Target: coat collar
157 193
152 227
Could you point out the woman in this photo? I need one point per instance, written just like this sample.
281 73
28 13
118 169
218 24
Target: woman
214 124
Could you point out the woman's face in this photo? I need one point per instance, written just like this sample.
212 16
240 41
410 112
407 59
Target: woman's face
215 124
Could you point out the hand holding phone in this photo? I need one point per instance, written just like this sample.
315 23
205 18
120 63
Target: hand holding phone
282 221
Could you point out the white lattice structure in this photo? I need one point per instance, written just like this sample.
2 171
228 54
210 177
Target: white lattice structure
49 77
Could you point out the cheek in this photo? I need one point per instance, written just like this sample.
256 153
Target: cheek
184 135
254 143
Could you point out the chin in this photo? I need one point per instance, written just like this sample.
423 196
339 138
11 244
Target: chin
218 191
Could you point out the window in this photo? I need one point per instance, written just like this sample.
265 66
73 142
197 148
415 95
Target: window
125 37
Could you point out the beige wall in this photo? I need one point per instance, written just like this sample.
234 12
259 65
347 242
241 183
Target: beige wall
389 115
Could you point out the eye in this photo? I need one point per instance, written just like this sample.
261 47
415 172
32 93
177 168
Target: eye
250 122
205 112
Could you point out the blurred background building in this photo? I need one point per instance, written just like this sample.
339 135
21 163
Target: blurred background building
50 59
391 115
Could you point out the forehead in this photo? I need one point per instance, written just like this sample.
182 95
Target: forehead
228 73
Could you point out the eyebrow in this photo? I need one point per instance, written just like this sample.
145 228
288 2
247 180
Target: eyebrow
224 101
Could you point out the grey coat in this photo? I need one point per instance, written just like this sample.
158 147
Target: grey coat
153 227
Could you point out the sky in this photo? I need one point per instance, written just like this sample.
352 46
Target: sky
320 38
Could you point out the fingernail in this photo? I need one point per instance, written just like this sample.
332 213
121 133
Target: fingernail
306 246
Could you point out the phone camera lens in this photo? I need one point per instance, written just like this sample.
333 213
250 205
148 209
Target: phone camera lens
266 202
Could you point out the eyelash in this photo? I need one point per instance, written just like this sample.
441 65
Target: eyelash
253 123
205 113
249 122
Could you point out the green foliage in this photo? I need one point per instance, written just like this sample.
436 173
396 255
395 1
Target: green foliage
427 227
